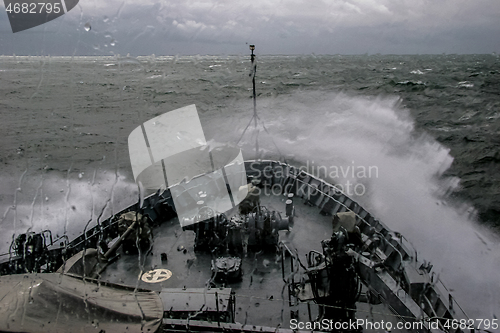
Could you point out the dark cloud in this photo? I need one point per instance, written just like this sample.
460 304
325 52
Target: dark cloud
223 27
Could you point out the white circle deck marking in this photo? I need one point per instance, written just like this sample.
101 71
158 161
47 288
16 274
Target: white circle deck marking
156 275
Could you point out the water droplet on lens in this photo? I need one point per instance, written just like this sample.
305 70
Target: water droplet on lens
87 26
183 135
113 42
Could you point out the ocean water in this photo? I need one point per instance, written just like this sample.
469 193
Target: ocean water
414 138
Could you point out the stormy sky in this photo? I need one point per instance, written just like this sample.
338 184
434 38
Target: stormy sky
171 27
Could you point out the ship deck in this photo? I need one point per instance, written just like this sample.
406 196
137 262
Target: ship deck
261 294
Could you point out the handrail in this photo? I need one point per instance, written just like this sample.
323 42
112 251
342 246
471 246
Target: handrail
318 189
349 209
453 298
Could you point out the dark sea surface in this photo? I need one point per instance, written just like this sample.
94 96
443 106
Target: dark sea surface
453 98
428 124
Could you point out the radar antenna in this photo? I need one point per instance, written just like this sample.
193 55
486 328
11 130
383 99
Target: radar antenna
255 116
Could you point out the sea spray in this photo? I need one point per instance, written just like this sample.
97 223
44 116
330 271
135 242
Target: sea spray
87 198
409 192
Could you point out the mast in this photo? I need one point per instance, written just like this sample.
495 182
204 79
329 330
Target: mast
252 73
255 117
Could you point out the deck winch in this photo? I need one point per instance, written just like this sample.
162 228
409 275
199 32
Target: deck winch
262 227
255 230
226 268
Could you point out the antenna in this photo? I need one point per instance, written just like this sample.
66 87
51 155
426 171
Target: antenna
255 117
252 73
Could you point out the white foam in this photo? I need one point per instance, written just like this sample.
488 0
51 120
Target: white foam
409 194
66 205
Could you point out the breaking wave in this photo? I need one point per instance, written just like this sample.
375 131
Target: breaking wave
409 192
